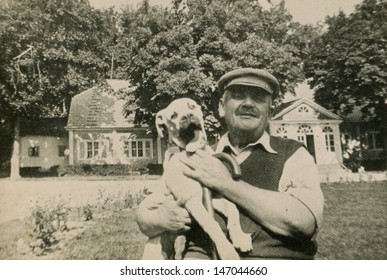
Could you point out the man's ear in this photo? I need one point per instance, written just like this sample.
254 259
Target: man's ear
160 123
271 111
221 108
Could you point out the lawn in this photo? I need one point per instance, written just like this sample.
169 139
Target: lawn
355 227
355 222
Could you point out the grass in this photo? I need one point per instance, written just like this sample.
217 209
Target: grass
355 227
113 237
355 222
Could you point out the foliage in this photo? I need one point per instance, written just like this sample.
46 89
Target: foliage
46 47
102 170
347 64
183 51
120 201
46 221
353 154
51 50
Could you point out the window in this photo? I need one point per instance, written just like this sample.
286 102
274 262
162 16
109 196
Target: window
33 151
62 150
329 139
303 109
301 138
302 131
139 148
305 129
89 149
374 140
92 149
282 132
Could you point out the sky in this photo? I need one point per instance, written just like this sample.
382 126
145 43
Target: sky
303 11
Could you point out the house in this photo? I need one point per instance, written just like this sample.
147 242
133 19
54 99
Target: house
372 135
305 121
99 132
43 143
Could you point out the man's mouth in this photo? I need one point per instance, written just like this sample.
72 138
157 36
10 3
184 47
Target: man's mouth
248 114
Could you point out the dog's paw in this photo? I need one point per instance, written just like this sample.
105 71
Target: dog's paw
242 242
228 252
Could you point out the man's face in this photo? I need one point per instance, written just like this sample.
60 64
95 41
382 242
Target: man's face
245 109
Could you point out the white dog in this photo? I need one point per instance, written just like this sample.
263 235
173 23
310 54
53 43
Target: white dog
183 119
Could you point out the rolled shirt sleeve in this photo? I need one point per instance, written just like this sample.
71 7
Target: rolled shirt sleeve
300 179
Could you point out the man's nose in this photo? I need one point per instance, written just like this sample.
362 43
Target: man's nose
248 101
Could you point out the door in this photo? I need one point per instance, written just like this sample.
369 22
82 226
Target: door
310 145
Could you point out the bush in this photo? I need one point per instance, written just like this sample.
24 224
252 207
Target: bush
46 221
155 169
102 170
39 172
353 154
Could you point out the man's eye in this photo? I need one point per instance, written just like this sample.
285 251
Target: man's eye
238 95
174 116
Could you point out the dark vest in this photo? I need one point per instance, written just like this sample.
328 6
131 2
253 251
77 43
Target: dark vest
263 170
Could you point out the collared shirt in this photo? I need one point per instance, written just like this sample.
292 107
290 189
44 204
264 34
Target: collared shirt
299 177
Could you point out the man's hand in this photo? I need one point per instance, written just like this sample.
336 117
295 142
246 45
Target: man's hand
159 213
173 217
206 169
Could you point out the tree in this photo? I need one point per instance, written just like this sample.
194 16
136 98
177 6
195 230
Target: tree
50 51
347 64
184 50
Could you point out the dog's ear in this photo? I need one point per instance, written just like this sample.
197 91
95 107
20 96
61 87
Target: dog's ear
160 123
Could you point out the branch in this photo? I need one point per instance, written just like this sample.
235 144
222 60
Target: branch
40 76
30 48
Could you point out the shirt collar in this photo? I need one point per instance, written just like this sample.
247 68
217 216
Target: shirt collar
264 141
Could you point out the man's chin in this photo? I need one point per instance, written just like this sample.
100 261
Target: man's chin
247 127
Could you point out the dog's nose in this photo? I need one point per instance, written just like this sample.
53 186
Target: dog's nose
190 115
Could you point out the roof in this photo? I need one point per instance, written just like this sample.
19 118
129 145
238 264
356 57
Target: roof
319 113
44 127
99 108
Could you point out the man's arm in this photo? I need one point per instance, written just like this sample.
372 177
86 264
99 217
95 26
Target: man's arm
280 212
159 212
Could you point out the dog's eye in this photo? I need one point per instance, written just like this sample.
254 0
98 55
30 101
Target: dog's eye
174 116
191 106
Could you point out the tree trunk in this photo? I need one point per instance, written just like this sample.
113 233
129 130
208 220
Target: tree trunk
15 159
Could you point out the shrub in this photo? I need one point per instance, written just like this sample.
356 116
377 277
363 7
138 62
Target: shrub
353 154
120 201
39 172
46 221
102 170
155 169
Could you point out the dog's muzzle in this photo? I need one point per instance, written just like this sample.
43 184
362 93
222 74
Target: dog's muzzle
188 126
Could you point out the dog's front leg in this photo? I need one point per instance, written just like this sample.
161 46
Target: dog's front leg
225 249
240 240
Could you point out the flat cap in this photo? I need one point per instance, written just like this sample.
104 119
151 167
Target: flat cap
250 77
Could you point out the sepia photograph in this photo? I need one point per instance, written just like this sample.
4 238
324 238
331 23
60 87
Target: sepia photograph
193 130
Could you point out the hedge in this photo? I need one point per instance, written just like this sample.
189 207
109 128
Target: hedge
100 170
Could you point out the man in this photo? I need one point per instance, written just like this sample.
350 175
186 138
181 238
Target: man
279 196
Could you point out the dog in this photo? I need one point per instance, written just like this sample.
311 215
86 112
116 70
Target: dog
183 119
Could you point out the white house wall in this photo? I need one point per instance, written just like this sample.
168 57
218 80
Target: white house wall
112 148
48 151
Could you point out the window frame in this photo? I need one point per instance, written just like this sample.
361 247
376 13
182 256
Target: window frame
138 148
